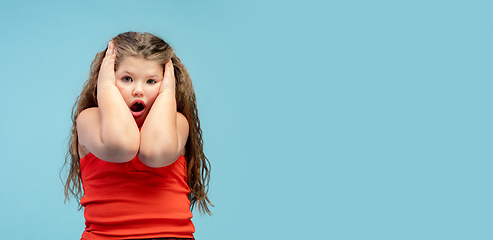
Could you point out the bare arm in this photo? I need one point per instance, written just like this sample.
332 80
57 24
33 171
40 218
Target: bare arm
109 132
164 133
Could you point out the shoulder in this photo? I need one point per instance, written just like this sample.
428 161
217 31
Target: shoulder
87 118
87 114
180 117
182 123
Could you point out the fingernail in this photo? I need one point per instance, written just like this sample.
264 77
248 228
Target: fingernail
113 46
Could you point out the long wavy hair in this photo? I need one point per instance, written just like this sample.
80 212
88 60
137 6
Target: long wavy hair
149 47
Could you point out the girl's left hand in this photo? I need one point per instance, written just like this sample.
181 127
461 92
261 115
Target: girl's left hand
168 82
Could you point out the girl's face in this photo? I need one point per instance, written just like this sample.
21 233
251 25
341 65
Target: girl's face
138 81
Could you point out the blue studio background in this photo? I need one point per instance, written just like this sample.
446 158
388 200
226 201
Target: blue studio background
322 119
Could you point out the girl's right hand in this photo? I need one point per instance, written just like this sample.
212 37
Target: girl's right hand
107 70
109 131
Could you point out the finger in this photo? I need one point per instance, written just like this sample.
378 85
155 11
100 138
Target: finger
110 56
168 78
169 71
111 50
106 72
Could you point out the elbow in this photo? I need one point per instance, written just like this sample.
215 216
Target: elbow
123 156
158 157
120 153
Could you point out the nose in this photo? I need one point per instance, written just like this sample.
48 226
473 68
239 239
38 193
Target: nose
138 90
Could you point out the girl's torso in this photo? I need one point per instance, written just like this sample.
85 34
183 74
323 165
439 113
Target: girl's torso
132 200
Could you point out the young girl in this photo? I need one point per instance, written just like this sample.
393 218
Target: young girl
136 144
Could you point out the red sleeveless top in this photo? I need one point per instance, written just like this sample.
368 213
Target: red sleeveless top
132 200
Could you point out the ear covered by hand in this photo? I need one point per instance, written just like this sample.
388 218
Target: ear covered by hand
168 82
107 70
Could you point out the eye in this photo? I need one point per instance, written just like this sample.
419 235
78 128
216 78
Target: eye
127 79
151 81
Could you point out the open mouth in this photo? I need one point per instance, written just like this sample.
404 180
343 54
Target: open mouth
137 107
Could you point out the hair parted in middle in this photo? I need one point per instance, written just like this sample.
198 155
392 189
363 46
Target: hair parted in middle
148 47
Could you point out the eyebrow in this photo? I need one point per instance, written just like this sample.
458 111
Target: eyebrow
130 73
126 72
